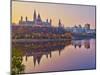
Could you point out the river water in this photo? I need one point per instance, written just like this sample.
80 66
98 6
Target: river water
58 56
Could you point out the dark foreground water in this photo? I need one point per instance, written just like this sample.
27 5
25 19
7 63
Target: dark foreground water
57 56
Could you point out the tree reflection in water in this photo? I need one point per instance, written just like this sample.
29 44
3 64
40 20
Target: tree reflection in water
17 66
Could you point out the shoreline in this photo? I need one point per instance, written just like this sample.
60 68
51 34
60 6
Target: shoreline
46 40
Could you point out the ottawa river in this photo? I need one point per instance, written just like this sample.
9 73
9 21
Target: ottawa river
58 56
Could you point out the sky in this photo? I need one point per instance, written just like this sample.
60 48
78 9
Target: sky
69 15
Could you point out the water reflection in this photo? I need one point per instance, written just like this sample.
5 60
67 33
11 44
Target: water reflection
79 43
87 44
36 50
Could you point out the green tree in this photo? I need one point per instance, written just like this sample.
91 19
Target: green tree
17 66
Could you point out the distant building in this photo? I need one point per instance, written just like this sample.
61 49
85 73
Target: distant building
87 26
80 29
38 25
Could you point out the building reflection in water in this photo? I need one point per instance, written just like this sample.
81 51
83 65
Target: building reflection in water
76 43
38 49
79 43
87 44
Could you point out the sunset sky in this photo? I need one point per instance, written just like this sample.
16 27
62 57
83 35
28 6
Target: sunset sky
70 15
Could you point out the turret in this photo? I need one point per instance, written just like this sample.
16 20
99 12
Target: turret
21 18
26 19
50 22
39 17
59 23
47 20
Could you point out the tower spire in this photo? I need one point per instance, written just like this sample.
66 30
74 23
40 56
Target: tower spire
50 22
21 18
34 16
39 17
59 23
